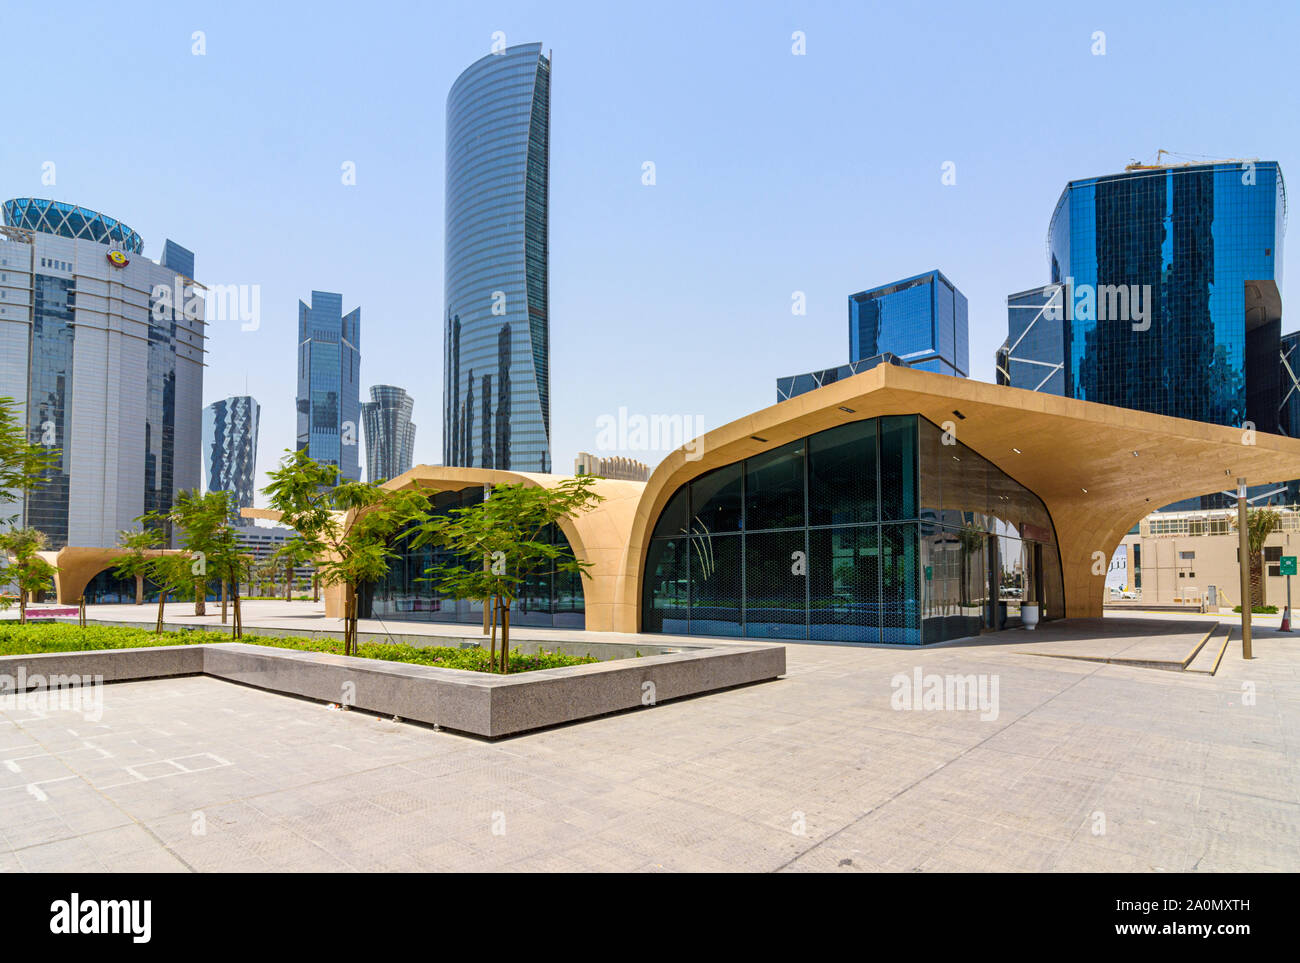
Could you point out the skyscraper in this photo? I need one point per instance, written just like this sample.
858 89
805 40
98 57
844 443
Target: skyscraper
230 448
496 386
922 320
390 436
102 349
1034 354
1172 289
329 373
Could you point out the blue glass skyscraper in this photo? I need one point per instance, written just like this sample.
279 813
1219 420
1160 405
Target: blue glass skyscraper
1199 248
922 320
496 379
329 377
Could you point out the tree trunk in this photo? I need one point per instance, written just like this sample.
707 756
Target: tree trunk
22 606
200 598
288 585
237 620
162 600
492 659
1257 580
315 588
139 588
223 601
349 619
505 639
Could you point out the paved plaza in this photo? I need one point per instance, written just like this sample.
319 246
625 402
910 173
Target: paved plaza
1085 766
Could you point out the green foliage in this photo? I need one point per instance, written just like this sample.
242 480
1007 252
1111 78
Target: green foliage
138 543
1259 609
347 528
508 532
22 464
1260 524
59 637
25 566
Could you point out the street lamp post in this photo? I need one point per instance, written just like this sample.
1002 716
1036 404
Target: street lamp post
1243 551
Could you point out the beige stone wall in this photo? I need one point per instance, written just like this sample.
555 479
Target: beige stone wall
1168 579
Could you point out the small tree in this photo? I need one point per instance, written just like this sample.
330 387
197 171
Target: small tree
138 543
503 542
348 528
23 465
291 555
1260 524
27 569
201 520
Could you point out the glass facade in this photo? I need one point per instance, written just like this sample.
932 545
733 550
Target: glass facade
107 359
496 395
1034 355
49 401
71 220
390 436
497 408
1195 244
873 531
551 599
329 383
230 448
789 387
922 320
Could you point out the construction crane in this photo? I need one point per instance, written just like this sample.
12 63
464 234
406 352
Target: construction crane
1158 166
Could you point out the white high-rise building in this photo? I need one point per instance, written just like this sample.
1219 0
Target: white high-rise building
102 349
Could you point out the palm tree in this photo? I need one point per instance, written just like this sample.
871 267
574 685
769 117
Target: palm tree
1260 524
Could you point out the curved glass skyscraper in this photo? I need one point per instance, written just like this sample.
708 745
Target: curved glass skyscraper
496 383
1172 279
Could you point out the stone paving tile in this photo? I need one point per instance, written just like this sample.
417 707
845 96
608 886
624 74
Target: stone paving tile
814 772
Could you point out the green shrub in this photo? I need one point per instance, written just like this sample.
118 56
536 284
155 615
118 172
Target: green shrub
1259 610
18 639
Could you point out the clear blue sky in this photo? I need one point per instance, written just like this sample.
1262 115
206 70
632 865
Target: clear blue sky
775 173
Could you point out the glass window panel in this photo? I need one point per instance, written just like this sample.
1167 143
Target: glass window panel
842 475
844 574
676 514
898 467
774 488
715 501
954 582
900 588
665 587
715 576
776 585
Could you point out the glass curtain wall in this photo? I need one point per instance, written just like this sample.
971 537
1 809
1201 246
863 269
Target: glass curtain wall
550 599
873 531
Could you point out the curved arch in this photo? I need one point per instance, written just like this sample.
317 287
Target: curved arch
1097 468
597 536
77 566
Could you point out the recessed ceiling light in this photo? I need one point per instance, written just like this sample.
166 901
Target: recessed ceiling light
1084 490
960 416
849 410
1017 451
